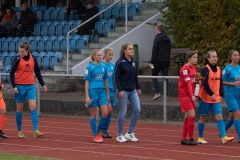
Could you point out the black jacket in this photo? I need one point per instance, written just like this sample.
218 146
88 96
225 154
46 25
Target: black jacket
90 13
126 75
77 5
161 48
27 18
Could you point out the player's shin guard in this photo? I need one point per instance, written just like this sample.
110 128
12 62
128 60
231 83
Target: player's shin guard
190 127
102 122
185 129
221 128
237 127
93 126
107 124
19 120
2 121
228 124
200 129
34 118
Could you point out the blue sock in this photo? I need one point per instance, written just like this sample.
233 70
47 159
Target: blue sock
221 128
200 129
102 123
228 124
19 120
108 122
237 127
34 118
93 126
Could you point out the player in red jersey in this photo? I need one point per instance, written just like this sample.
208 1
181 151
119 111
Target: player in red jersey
186 87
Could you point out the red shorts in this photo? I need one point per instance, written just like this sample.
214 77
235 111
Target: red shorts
186 104
2 103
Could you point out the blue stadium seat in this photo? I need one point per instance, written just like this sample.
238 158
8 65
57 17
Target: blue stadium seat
38 37
9 38
56 22
66 28
86 39
8 68
51 30
53 37
12 45
78 22
100 8
131 12
48 23
4 78
33 43
4 56
5 46
58 7
61 15
44 30
63 45
45 38
24 39
35 53
137 6
18 44
73 45
56 45
30 38
16 38
48 45
37 30
99 27
80 44
3 38
108 14
54 15
116 12
106 28
46 60
51 8
59 29
42 22
41 45
46 15
112 23
61 37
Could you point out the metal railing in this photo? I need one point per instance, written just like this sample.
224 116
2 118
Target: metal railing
68 34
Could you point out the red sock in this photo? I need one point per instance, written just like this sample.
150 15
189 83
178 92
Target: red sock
2 121
185 129
191 127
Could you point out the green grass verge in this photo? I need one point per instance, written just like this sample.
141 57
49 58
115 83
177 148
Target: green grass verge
20 157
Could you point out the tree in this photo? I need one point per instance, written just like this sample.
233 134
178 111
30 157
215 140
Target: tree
204 25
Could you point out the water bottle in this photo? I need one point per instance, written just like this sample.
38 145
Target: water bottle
91 100
197 87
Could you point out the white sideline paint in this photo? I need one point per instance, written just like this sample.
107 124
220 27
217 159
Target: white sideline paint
143 35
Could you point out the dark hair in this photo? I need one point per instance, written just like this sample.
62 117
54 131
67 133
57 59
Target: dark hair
94 53
124 47
11 10
190 54
230 54
161 28
208 55
25 45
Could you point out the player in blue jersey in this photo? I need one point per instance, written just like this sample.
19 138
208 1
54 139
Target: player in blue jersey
108 55
97 93
231 82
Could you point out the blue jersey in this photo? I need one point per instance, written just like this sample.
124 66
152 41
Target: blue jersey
231 74
110 71
96 74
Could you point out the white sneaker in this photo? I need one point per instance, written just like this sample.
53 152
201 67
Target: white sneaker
131 137
157 95
121 139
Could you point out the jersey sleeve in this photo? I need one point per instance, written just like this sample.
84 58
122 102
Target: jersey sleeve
87 74
105 75
224 74
187 80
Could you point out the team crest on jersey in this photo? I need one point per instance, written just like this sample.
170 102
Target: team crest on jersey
133 64
223 72
103 69
185 72
111 67
86 71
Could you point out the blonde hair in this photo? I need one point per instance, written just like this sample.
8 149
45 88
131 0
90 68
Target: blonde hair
106 50
124 47
94 53
25 45
208 55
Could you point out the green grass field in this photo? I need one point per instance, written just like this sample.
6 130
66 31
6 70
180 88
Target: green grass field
20 157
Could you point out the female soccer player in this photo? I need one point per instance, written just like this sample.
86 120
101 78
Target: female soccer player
231 82
2 109
108 55
210 96
186 87
127 89
23 83
97 93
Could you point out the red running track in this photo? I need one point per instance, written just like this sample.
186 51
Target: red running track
72 139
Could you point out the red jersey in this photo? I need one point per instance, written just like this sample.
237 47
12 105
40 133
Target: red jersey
186 83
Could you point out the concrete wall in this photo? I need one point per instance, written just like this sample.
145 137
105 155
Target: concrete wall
142 35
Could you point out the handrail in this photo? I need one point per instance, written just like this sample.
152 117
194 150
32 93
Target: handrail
68 46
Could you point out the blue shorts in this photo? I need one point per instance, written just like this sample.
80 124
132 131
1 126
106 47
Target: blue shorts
233 101
98 97
112 98
25 92
205 108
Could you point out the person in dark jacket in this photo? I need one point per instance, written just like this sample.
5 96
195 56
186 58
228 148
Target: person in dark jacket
26 23
160 60
75 7
92 11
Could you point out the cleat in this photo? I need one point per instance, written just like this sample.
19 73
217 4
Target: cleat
226 139
37 134
184 142
201 141
3 135
96 139
20 134
100 137
192 142
131 137
105 134
238 141
157 95
121 139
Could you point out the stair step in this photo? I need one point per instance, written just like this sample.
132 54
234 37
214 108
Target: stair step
134 23
122 29
115 34
61 86
71 62
79 56
149 12
62 68
106 40
86 51
97 45
141 17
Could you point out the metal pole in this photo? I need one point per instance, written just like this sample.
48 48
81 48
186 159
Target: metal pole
126 17
68 47
164 101
38 98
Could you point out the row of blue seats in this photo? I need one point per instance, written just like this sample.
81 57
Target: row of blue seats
46 43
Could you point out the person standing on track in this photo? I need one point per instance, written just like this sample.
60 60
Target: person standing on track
210 96
186 87
97 93
127 89
108 55
23 83
231 82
